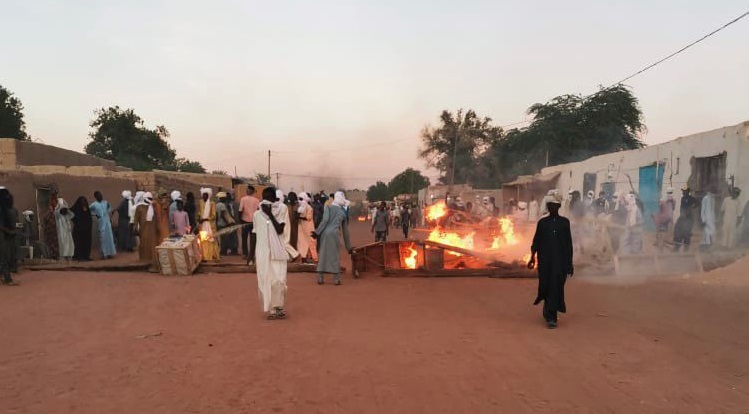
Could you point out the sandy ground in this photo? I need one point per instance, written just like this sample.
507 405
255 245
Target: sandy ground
72 343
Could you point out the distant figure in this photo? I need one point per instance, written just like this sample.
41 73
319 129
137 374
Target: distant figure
306 244
533 210
270 255
175 196
207 225
124 217
521 212
49 220
381 223
191 208
162 205
281 210
101 210
600 205
181 220
333 222
248 205
64 218
293 206
731 211
685 222
82 229
552 244
631 239
318 208
147 227
224 219
7 237
406 219
664 218
707 215
588 202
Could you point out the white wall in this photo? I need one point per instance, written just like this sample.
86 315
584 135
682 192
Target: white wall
675 156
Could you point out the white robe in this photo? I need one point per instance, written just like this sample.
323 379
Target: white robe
707 215
65 232
731 211
533 211
270 261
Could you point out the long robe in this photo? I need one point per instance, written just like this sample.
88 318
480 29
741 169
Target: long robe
685 222
163 215
631 239
707 215
306 244
82 227
271 264
124 235
553 245
65 232
209 246
51 241
293 225
101 210
731 211
333 222
148 232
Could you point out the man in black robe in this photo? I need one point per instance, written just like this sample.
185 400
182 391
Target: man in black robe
552 243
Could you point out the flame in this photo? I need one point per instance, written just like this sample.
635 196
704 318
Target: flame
361 218
508 231
451 238
527 258
203 235
496 242
436 211
410 261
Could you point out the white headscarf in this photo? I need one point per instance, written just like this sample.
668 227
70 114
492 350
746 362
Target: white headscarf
339 199
207 206
138 199
279 195
127 195
304 200
176 195
147 200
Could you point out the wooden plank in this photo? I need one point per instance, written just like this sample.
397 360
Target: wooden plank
483 272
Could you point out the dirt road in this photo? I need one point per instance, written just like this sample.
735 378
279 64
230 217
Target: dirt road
125 343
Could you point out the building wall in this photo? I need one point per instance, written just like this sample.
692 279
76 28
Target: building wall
33 153
622 168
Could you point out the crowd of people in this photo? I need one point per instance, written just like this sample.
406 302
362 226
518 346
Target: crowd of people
383 218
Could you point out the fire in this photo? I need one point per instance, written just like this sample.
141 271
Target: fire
410 261
436 211
508 231
362 218
451 238
203 235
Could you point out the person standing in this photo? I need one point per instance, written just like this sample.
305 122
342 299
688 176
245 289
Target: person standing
664 218
82 229
181 221
147 227
685 222
51 240
17 237
406 220
282 213
318 208
7 236
207 226
306 244
270 254
101 209
124 233
162 205
248 205
533 210
293 206
190 209
64 218
731 211
224 219
381 223
707 215
333 222
175 196
552 245
631 240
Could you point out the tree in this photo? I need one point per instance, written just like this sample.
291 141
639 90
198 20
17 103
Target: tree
12 124
409 181
185 165
219 172
455 146
119 135
378 192
263 179
566 129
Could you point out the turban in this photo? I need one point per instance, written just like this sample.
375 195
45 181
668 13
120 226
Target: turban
176 195
127 194
206 190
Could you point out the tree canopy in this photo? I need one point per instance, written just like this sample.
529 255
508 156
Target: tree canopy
568 128
12 124
121 136
409 181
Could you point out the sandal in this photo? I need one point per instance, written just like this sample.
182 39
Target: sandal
281 314
271 316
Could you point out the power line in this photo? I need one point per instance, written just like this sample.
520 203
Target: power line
682 49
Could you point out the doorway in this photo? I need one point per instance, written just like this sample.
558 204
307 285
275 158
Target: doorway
651 182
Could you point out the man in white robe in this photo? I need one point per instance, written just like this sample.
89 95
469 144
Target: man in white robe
281 211
707 215
271 258
731 211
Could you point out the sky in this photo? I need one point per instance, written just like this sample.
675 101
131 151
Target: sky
342 89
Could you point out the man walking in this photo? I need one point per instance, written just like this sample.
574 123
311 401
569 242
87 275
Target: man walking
248 205
381 223
552 243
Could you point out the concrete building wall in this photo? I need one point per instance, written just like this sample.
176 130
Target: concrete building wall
15 153
674 157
